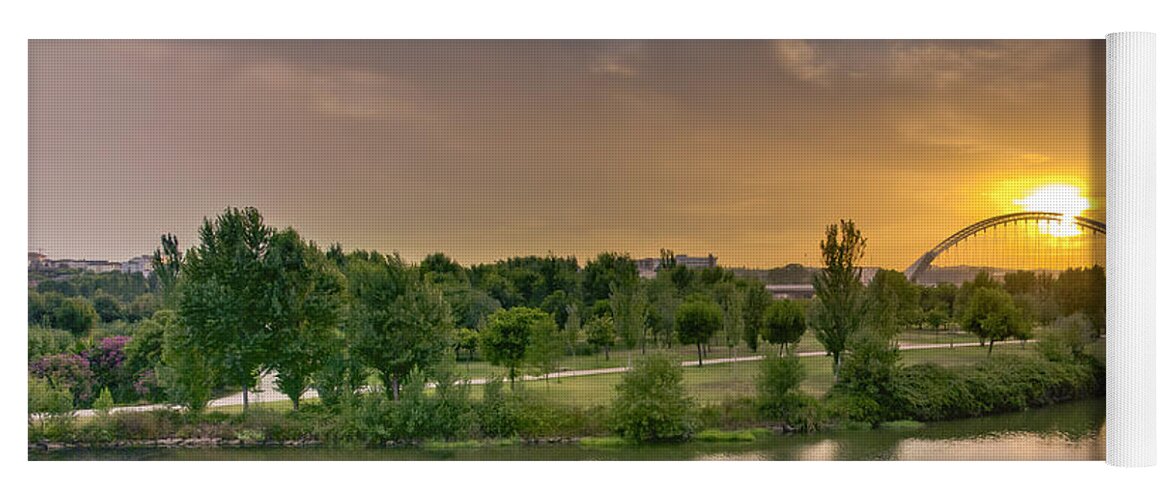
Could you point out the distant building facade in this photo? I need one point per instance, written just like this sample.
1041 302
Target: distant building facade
649 267
141 264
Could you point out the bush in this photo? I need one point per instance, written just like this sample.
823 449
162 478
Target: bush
69 372
107 360
928 392
651 404
496 415
776 384
105 402
44 341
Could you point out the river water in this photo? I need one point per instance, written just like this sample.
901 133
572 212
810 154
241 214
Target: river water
1068 431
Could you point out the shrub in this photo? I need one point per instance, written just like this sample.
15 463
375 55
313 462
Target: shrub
107 360
651 404
70 372
44 341
496 415
928 392
777 383
105 402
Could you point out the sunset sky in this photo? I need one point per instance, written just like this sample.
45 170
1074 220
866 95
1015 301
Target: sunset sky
484 150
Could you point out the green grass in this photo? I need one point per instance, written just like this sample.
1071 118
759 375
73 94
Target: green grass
604 441
468 444
901 425
713 384
719 436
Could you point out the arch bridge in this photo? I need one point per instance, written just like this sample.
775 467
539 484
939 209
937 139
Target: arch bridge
921 265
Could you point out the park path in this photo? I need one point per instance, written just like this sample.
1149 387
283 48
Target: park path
266 391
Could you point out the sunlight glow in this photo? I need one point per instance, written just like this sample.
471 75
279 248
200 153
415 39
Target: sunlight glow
1061 198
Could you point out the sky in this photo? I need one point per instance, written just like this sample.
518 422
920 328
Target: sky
490 149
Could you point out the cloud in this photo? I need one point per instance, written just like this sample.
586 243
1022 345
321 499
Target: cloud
341 93
803 60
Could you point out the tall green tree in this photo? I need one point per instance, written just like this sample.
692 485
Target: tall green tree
510 333
784 324
304 309
226 294
696 321
756 301
838 308
188 371
993 316
606 269
166 265
893 302
629 307
396 322
599 332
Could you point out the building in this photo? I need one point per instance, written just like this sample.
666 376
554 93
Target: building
97 266
797 291
649 267
36 260
143 264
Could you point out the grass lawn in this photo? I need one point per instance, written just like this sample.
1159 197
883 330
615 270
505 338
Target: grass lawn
716 383
622 357
713 383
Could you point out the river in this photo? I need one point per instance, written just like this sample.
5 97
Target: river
1067 431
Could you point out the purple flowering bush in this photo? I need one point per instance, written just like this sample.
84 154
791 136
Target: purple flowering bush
107 360
67 371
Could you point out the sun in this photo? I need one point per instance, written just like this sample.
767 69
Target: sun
1064 199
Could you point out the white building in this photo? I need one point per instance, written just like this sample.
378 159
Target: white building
143 264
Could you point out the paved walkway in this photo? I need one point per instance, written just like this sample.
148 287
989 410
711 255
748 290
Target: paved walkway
266 390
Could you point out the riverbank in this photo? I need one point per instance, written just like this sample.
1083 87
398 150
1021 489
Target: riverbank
936 385
1066 431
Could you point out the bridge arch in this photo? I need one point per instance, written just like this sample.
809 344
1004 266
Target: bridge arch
916 270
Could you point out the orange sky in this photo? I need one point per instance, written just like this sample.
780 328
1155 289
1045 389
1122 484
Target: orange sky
483 150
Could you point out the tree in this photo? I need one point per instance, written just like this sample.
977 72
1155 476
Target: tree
784 324
893 301
107 307
664 300
466 340
606 269
304 310
756 301
992 316
396 322
1068 337
75 314
697 320
731 301
629 307
599 333
440 268
226 294
837 311
572 329
506 339
546 349
651 404
1083 290
188 372
166 265
778 385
